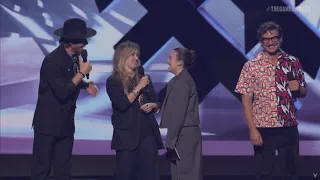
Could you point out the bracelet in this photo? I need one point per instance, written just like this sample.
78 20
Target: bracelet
86 85
82 74
134 93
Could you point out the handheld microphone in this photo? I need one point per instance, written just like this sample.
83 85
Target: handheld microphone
84 55
141 72
291 78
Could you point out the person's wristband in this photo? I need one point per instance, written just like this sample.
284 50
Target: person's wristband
86 85
134 93
82 74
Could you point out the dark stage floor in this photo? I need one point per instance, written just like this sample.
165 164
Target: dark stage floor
168 178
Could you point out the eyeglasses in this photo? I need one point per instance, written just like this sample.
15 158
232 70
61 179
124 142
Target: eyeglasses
273 39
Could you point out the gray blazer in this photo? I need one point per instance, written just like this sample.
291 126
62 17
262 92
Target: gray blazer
180 107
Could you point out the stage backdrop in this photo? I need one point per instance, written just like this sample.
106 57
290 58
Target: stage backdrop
222 32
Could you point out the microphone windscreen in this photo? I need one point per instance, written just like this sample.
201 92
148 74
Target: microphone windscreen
290 76
84 55
141 70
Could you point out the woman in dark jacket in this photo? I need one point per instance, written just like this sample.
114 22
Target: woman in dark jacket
136 136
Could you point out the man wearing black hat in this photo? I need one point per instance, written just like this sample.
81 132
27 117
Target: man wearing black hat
61 78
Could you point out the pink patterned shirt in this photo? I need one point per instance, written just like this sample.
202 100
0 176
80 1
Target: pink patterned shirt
273 102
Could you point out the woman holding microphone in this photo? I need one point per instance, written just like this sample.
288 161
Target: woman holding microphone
136 136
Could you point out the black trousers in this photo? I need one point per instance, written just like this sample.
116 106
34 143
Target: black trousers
140 164
47 149
286 141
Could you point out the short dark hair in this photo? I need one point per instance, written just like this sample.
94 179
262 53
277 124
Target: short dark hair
187 56
268 26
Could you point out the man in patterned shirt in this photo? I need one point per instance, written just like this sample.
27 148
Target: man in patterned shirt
269 85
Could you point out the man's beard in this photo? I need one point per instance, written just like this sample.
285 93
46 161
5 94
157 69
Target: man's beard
77 52
272 53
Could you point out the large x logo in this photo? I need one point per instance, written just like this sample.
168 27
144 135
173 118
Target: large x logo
217 60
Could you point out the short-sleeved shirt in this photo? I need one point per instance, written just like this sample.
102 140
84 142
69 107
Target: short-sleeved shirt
273 102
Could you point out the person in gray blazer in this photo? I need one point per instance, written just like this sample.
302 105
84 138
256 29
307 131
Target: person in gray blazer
180 115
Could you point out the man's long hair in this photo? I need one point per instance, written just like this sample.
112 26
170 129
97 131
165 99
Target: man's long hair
122 52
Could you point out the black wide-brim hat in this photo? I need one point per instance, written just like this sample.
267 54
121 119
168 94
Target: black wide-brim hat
75 29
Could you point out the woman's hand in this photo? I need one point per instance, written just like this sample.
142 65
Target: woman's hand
148 107
144 81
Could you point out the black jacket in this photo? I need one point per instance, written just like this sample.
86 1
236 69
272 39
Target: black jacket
57 95
125 116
